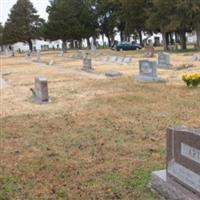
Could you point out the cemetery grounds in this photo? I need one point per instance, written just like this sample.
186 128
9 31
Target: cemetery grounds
98 137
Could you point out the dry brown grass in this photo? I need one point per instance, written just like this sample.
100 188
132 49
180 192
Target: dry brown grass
99 138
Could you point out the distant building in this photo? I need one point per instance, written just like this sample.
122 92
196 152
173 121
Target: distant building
41 45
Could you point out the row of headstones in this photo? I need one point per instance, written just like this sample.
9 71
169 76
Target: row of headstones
148 69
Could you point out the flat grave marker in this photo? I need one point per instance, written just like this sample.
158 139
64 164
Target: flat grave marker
113 74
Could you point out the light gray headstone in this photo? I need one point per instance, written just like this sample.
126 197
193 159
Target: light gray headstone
164 60
41 90
148 71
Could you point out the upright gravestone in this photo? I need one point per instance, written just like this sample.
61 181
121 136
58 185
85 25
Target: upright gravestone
38 56
149 52
87 64
93 49
147 71
164 60
181 180
41 90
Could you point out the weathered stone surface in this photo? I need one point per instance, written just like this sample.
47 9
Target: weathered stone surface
148 71
164 60
168 188
41 90
113 74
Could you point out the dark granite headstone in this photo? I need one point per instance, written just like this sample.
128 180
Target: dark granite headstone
181 180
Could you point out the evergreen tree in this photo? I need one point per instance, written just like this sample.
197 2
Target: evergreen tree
70 20
1 36
23 24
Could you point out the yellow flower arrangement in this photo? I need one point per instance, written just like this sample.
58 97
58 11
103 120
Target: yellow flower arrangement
192 80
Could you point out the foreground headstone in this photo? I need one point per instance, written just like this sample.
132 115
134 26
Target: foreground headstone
87 64
41 90
181 180
148 71
113 74
164 60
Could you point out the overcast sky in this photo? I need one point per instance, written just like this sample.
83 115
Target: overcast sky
6 5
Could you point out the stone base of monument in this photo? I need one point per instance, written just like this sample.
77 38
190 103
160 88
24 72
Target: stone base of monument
113 74
162 66
169 189
149 79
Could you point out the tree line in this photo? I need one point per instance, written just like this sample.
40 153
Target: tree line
75 20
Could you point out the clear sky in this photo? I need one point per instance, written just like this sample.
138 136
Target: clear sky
6 5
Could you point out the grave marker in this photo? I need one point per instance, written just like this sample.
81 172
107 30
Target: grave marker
51 62
127 60
149 52
113 74
87 64
181 180
41 90
120 60
164 60
113 59
148 71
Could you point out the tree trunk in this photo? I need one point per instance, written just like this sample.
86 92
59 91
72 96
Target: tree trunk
64 46
140 37
88 43
80 44
30 44
72 44
198 36
109 40
121 36
165 41
183 40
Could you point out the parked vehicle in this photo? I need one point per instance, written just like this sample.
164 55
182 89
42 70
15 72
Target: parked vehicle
126 46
